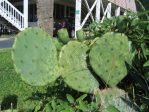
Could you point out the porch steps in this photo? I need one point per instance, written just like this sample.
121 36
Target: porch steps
10 17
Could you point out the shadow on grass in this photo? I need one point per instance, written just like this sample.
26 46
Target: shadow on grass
9 102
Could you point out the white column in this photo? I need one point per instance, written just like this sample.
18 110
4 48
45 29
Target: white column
125 12
78 15
98 10
109 10
25 12
117 11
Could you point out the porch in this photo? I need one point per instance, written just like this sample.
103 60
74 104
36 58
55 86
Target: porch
81 11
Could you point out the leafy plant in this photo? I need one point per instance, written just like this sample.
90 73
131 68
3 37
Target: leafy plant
71 104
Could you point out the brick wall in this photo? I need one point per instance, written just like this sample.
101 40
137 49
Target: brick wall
126 4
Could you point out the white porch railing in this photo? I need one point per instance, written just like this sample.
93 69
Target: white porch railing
12 15
101 9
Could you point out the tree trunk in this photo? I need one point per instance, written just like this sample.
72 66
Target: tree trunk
45 15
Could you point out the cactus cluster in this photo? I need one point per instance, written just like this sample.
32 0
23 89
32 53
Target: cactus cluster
36 58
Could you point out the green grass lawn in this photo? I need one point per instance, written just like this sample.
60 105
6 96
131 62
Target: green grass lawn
12 88
7 36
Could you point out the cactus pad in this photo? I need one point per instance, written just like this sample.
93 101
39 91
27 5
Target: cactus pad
35 57
81 35
74 68
63 35
108 57
119 99
57 44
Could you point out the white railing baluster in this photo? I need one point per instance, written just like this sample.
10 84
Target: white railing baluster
11 14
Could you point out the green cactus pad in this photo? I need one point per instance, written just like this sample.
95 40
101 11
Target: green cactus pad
81 35
57 44
63 35
35 57
117 98
74 69
108 57
82 81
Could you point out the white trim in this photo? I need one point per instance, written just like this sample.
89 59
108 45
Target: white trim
11 14
89 13
98 10
25 11
117 11
78 15
89 10
109 9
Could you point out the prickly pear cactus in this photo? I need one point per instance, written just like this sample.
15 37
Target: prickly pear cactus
74 68
108 57
81 35
57 44
35 57
117 98
63 35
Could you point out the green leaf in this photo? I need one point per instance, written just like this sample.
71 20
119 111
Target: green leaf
112 109
148 27
53 104
139 79
37 108
10 110
63 105
47 108
145 50
81 98
65 111
82 106
146 75
144 99
98 99
70 98
146 64
93 105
